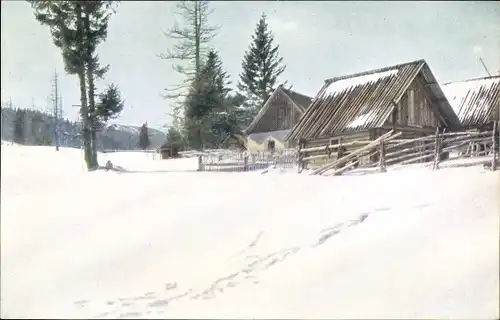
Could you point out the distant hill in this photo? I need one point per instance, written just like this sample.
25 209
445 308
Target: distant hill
113 137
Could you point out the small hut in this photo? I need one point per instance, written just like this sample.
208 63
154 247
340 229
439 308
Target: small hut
169 150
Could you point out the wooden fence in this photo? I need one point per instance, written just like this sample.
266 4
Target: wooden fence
236 161
388 150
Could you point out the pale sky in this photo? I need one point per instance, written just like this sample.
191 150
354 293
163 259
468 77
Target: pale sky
318 40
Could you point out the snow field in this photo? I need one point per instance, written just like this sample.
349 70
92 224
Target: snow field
161 240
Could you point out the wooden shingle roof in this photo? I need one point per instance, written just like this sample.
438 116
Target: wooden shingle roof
365 100
297 100
475 101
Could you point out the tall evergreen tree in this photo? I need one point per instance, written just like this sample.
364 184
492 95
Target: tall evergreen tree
174 141
192 37
144 141
37 129
207 100
65 21
262 66
77 27
19 122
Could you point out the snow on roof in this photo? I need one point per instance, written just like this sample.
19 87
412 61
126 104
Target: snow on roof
359 121
472 100
343 84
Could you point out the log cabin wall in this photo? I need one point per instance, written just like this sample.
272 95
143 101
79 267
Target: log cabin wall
321 142
281 115
415 109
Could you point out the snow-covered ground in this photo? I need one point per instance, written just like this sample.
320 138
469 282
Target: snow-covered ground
161 240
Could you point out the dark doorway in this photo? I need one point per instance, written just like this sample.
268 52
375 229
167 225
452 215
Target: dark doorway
270 146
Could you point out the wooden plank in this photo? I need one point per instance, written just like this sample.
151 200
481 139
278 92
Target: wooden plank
405 156
464 143
493 146
200 163
471 137
382 157
436 150
408 141
425 155
346 167
470 133
402 151
334 146
319 156
355 153
464 157
300 156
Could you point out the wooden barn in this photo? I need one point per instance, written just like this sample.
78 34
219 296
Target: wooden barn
278 115
363 106
475 101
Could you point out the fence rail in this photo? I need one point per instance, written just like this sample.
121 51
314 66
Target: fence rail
128 150
236 161
391 151
388 150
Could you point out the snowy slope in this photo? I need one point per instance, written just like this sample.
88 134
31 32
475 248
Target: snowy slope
165 241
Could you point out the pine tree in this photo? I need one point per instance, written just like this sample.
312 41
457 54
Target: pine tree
19 122
262 66
174 141
36 129
65 21
221 120
108 107
211 88
77 27
144 141
207 101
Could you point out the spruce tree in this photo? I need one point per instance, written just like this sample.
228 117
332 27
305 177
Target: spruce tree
19 122
174 141
108 107
65 21
77 27
144 141
262 66
207 100
36 129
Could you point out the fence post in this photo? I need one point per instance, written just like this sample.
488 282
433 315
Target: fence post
300 156
494 146
382 157
200 163
245 162
437 150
